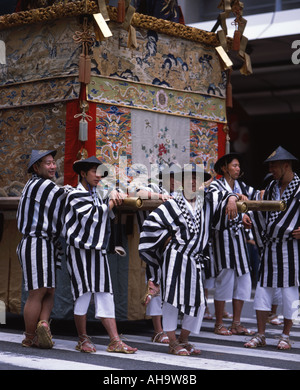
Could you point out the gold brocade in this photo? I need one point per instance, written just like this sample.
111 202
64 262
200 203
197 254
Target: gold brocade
59 11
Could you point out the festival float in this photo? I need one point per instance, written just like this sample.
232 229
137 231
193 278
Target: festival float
86 78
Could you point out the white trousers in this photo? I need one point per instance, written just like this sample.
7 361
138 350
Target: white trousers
170 319
229 286
154 307
264 299
104 305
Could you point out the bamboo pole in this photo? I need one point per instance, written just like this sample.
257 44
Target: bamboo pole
136 203
261 205
133 203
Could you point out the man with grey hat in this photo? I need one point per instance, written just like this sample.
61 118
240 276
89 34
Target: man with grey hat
172 242
164 190
87 231
39 220
230 253
278 236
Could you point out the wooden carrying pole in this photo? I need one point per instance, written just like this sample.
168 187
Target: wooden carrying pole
136 203
9 202
260 205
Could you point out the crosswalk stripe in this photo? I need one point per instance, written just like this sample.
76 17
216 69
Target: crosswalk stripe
143 356
229 349
273 331
42 363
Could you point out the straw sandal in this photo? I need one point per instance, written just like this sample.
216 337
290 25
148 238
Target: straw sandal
85 344
190 348
274 320
221 330
30 341
44 335
284 343
117 345
160 338
259 340
175 348
238 329
152 291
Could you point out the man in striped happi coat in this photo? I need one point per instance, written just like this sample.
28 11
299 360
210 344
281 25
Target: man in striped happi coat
87 230
172 240
229 248
278 236
152 299
39 220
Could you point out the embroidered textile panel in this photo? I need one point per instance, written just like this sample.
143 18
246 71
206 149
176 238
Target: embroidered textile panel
113 138
160 60
164 74
142 138
39 92
159 139
40 51
24 129
154 98
204 143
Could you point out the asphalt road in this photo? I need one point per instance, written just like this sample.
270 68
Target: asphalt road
218 352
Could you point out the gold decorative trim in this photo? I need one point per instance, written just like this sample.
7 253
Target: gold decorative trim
169 28
83 7
56 11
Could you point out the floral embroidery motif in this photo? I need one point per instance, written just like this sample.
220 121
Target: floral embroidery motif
163 151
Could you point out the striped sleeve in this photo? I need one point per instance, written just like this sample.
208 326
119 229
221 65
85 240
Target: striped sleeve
218 197
85 223
41 208
156 231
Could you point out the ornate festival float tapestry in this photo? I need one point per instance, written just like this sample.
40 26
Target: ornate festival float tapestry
151 91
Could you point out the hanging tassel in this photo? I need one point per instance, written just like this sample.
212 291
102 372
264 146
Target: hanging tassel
236 40
227 144
83 130
81 68
227 147
229 95
121 11
83 123
87 69
229 91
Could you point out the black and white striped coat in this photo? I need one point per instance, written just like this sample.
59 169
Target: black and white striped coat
280 252
87 232
40 219
229 245
178 263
